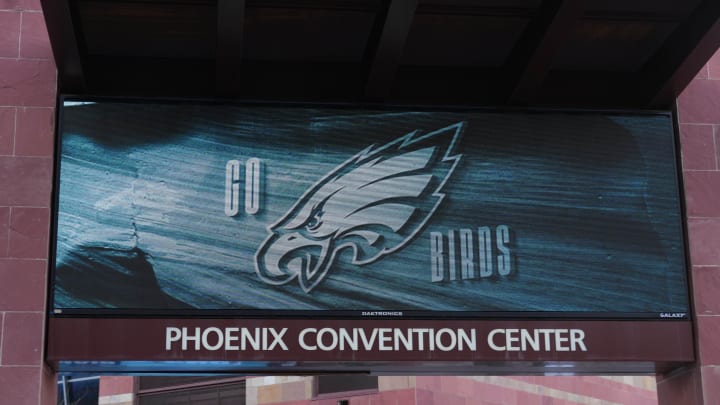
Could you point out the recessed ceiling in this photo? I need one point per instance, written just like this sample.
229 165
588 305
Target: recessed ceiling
568 53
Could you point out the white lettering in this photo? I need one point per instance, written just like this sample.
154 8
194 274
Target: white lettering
576 339
546 337
421 337
485 249
246 338
186 338
463 257
515 340
329 339
467 267
464 339
405 339
252 186
491 340
532 340
230 336
301 339
218 337
232 188
368 344
171 335
351 341
384 339
511 339
439 342
560 338
333 338
451 255
437 258
278 339
503 239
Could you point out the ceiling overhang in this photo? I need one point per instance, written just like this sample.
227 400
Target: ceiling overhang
560 53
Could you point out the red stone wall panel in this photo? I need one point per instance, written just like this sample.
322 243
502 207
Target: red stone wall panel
22 339
699 103
7 130
4 231
711 388
702 193
698 147
29 230
706 284
35 131
9 33
22 285
20 385
34 39
25 181
27 82
48 387
19 5
708 330
704 236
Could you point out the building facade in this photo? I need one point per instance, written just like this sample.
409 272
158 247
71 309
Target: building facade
28 102
398 390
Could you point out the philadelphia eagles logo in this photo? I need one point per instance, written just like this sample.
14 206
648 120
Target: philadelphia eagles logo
372 205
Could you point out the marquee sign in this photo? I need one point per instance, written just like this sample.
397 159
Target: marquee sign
198 237
286 211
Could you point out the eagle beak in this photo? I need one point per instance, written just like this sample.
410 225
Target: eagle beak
282 257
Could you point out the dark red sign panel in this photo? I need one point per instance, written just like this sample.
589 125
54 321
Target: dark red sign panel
280 341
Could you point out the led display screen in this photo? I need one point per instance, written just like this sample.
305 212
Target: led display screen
277 210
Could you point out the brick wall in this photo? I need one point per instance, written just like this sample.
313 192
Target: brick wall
27 108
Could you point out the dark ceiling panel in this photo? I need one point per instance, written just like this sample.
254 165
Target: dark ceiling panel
172 77
386 45
305 34
461 40
646 9
479 7
612 45
228 59
531 58
66 45
597 90
149 28
440 85
680 58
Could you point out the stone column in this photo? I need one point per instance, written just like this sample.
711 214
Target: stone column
27 108
699 118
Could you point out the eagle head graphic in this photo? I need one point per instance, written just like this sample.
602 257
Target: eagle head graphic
373 204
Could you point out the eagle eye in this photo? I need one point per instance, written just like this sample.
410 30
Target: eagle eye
314 222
